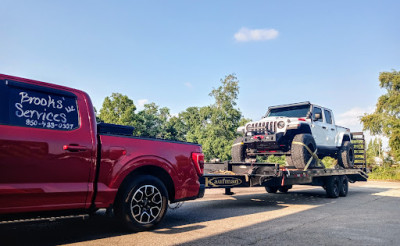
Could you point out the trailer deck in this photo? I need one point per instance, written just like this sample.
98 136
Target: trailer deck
274 177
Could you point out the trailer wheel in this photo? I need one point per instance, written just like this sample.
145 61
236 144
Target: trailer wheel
343 186
299 153
271 189
238 150
346 155
142 203
285 189
332 187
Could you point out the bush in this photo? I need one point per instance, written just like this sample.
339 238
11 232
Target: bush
385 173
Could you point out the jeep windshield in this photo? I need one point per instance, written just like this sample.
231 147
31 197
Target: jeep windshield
292 111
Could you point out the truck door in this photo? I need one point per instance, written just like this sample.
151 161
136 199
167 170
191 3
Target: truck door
46 148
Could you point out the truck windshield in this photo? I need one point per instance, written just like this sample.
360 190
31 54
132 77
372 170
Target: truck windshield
293 111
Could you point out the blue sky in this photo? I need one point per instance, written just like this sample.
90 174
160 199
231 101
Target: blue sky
174 52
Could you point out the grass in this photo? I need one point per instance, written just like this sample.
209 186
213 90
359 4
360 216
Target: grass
385 173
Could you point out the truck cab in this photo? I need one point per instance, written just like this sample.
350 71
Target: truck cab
54 157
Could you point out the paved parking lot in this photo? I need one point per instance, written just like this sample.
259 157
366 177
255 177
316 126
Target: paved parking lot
370 215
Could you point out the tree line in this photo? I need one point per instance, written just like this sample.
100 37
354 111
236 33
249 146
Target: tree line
213 126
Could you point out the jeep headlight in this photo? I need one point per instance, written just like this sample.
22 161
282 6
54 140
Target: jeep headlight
249 128
281 124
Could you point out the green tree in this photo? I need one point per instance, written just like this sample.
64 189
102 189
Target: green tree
214 126
386 117
374 150
154 121
118 109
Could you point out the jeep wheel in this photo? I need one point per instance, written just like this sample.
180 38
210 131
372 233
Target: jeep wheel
238 150
346 155
142 203
299 153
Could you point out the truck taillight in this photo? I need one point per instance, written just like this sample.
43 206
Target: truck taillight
198 160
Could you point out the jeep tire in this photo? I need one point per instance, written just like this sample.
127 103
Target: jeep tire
346 155
299 153
238 150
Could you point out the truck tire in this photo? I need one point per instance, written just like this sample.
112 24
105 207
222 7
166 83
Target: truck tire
343 186
299 154
142 203
284 189
271 189
238 151
332 187
346 155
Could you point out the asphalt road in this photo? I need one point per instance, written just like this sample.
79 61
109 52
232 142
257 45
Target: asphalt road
369 215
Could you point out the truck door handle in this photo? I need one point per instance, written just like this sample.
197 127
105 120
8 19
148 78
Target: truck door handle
332 129
324 127
74 148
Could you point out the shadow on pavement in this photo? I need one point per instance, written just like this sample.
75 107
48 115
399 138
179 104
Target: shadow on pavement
176 221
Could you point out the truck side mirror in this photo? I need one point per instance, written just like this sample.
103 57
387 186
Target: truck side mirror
308 115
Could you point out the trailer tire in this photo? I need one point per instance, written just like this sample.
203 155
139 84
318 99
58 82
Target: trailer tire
142 203
332 187
343 186
299 154
238 150
284 189
271 189
346 155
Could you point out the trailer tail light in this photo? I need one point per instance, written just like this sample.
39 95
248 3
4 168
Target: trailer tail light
301 119
198 160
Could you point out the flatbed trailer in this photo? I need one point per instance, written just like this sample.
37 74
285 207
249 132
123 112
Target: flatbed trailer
275 178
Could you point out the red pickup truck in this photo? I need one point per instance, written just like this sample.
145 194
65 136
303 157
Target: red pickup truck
55 157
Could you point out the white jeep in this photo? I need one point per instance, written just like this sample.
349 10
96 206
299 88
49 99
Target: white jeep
288 129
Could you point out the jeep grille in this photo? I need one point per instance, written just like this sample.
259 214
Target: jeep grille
262 127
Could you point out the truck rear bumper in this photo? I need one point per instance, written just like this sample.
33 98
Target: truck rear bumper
201 190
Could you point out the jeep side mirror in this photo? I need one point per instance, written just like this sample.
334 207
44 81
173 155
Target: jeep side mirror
317 117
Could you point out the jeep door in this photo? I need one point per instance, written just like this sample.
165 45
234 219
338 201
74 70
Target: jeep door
330 128
46 148
318 127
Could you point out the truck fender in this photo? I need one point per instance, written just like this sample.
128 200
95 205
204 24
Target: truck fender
341 137
140 163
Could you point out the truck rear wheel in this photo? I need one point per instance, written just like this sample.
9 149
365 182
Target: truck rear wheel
299 153
346 155
238 150
332 187
142 203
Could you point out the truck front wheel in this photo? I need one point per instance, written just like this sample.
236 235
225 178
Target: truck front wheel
238 150
142 204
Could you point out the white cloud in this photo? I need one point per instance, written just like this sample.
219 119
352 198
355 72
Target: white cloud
351 118
246 35
188 85
141 103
